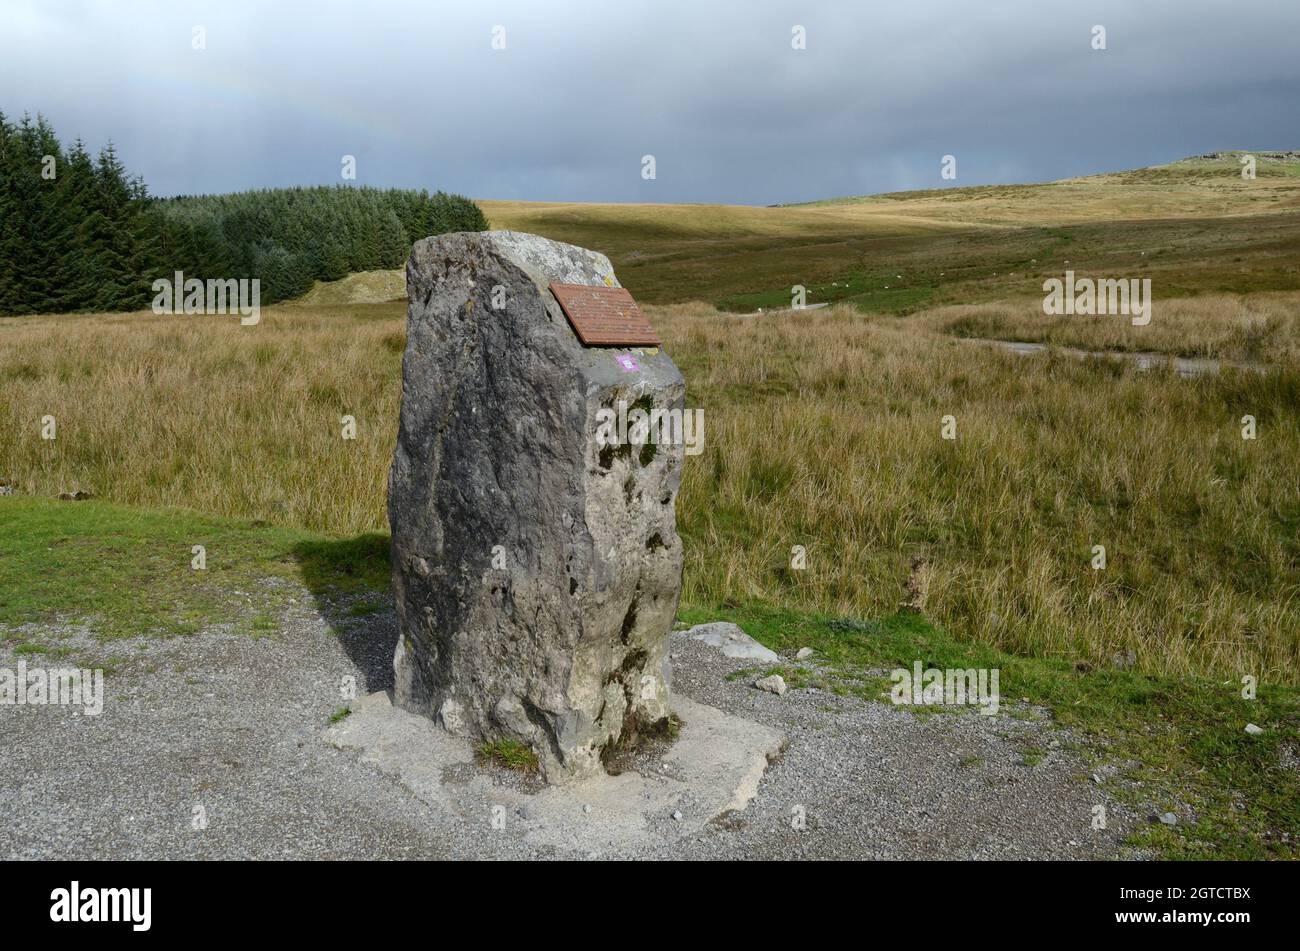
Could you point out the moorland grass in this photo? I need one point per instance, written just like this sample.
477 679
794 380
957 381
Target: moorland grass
1259 327
202 414
822 430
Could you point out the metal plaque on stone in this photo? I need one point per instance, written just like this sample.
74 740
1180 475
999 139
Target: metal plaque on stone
605 316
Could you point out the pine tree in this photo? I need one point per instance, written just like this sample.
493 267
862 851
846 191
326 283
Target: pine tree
394 246
32 251
9 237
111 234
77 277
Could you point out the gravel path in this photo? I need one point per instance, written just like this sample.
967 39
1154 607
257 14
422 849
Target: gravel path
232 724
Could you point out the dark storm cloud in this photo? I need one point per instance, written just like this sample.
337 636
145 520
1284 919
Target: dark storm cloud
713 90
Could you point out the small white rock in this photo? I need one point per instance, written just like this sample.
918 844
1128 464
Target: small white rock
773 684
803 653
1254 730
1169 819
586 807
732 641
677 816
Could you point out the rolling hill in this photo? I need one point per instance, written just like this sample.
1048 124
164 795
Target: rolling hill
1193 226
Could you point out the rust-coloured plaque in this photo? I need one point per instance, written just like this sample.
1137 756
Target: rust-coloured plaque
605 316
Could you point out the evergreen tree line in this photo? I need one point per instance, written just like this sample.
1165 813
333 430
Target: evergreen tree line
79 234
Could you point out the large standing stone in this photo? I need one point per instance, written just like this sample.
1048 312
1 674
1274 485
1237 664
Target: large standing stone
537 573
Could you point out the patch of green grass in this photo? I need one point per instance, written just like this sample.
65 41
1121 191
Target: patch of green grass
109 666
508 753
344 565
341 714
1032 755
1182 740
365 608
128 571
877 292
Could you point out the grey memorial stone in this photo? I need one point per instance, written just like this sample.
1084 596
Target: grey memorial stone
537 570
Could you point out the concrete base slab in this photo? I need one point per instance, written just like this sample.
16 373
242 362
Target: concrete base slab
714 767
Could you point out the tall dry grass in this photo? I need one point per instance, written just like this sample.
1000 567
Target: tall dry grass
202 413
1240 327
822 430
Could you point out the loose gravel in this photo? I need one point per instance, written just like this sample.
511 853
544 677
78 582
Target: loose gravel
210 747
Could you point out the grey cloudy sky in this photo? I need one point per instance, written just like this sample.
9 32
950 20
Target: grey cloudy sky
713 90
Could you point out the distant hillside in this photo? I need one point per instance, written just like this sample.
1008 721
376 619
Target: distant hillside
1185 188
1195 225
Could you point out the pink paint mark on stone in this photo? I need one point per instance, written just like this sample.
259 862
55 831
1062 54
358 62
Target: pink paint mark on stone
627 362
